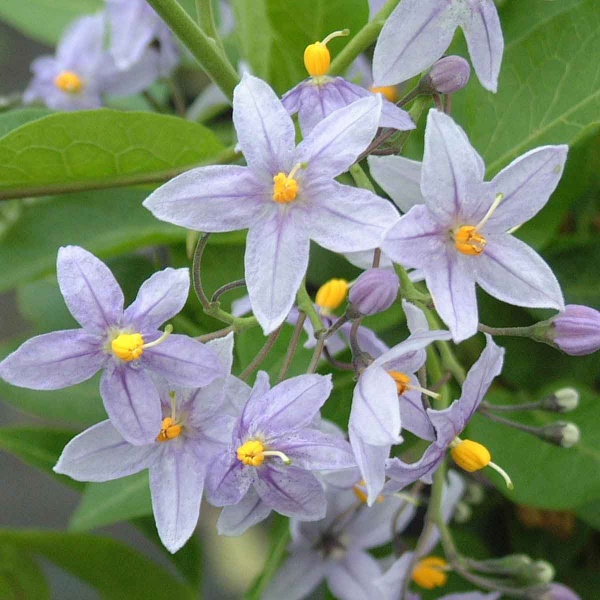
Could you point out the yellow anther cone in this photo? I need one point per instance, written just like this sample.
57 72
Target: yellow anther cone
332 294
69 82
128 346
471 456
430 573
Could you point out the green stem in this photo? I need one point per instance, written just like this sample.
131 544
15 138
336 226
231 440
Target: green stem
362 40
262 354
528 332
206 50
408 290
314 362
204 12
305 305
360 178
289 355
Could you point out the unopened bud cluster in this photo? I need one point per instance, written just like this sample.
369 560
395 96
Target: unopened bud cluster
373 292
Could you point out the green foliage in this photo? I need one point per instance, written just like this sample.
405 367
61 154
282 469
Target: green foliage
15 118
20 576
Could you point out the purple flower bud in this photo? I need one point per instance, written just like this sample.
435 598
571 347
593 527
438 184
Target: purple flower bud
577 330
558 591
374 291
447 76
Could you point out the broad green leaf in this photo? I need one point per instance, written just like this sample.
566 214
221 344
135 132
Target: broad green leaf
549 87
254 34
100 148
15 118
113 501
20 576
114 569
590 513
45 20
105 222
541 472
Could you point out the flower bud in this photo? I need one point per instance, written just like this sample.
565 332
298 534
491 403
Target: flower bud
447 76
374 291
576 331
562 401
560 433
474 493
555 591
539 572
462 513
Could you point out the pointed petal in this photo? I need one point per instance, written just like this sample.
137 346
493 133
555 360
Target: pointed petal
371 463
415 35
526 184
184 361
91 292
297 577
292 492
347 219
484 39
265 131
403 474
408 347
276 261
452 174
391 583
101 454
227 479
237 518
413 415
54 360
510 270
132 403
337 141
80 47
400 178
214 198
415 318
352 577
176 483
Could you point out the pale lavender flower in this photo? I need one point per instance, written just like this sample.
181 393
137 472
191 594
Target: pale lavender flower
135 29
125 343
387 398
576 331
195 426
449 423
275 447
374 291
556 591
418 32
461 235
447 76
285 197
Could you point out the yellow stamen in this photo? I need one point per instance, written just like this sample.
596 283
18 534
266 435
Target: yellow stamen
331 294
130 346
317 57
431 572
359 491
285 188
403 384
69 82
169 430
468 241
472 456
253 453
389 92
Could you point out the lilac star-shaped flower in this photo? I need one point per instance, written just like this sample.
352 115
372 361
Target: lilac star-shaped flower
274 448
286 196
195 425
418 32
461 235
125 343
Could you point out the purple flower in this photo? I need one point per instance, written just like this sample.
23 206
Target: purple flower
447 76
275 447
374 291
387 397
125 343
194 427
285 197
449 423
461 235
557 591
576 331
134 27
418 32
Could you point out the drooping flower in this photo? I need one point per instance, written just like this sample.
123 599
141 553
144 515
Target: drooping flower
448 425
461 235
418 32
274 447
318 96
127 344
387 398
286 195
195 425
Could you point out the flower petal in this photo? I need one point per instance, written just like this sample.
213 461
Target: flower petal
402 474
101 454
227 479
214 198
298 576
132 403
237 518
510 270
81 44
265 130
400 178
347 219
176 483
413 415
91 292
352 577
391 583
276 261
54 360
371 463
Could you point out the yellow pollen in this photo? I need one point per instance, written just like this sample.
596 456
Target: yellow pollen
471 456
360 493
431 573
469 241
69 82
128 346
402 381
169 430
389 92
317 57
251 453
285 188
331 294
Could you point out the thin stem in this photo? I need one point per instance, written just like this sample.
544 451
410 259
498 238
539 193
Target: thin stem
289 355
314 362
196 277
153 102
177 97
337 325
205 50
360 178
215 335
376 258
354 345
508 422
408 290
227 288
511 407
338 364
262 354
206 21
513 331
305 304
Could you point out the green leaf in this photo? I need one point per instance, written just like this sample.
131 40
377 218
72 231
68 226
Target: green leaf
107 503
15 118
20 576
45 20
254 34
99 148
549 87
105 222
115 570
590 513
544 476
